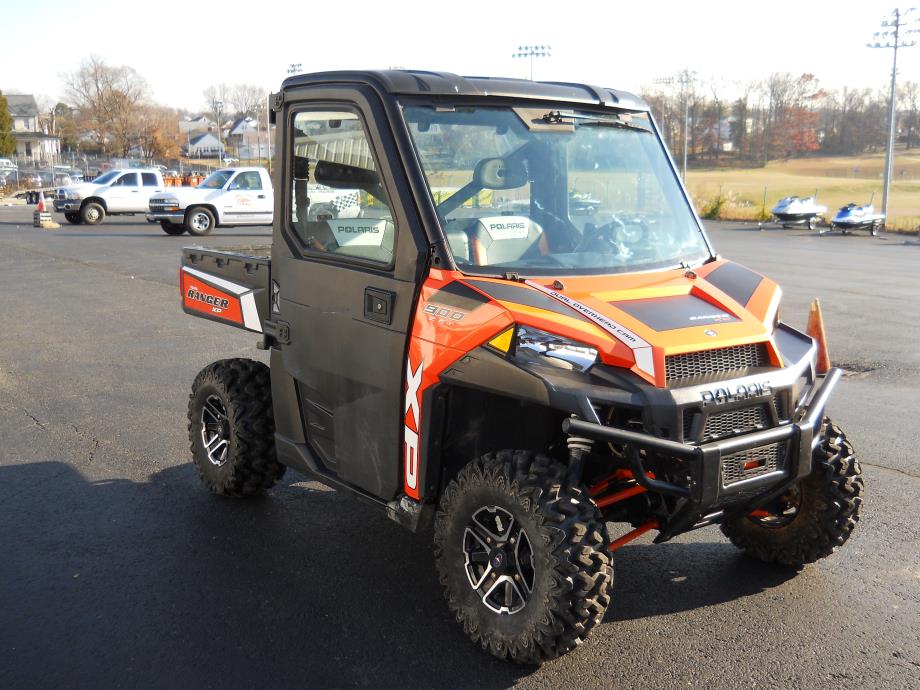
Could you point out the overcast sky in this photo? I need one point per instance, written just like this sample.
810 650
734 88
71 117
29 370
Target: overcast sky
181 47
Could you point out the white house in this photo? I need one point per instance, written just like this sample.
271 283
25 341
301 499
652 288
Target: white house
205 145
196 125
32 144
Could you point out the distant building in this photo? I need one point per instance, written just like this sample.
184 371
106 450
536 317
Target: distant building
205 145
248 139
32 144
196 125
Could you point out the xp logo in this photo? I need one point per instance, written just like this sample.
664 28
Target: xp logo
413 425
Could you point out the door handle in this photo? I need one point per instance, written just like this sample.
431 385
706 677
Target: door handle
261 196
378 305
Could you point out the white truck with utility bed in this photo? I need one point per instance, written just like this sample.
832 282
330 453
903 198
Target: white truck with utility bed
227 197
116 192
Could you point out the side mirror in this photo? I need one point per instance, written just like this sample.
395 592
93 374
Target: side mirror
498 173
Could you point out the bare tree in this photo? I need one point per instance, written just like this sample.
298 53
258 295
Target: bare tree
246 99
217 99
910 105
107 98
158 135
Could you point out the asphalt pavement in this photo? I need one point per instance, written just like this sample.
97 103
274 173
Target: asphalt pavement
118 569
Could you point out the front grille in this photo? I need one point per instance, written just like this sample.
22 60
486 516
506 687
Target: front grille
725 359
767 458
735 421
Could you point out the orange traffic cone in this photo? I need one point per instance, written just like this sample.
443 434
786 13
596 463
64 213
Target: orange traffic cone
816 330
40 207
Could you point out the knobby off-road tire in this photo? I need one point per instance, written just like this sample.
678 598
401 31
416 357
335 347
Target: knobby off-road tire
232 399
828 504
172 228
571 567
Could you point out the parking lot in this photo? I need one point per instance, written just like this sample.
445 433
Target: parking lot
118 568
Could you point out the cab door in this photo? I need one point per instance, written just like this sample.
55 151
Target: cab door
345 274
125 194
246 201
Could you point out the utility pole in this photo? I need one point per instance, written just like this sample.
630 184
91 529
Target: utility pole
894 35
530 52
220 138
685 79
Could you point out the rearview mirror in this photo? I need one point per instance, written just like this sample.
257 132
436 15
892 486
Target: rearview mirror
341 176
498 173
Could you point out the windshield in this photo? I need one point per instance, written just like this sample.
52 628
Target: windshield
216 179
106 177
540 192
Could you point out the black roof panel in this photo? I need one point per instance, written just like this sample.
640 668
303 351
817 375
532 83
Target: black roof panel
423 83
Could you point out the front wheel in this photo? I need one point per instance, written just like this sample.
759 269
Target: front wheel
232 429
522 555
199 221
72 217
92 213
172 228
814 517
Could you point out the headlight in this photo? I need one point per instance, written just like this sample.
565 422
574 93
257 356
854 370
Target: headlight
71 195
579 356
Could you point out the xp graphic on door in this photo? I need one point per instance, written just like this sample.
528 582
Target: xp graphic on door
490 307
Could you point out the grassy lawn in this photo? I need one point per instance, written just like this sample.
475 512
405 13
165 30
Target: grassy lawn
837 181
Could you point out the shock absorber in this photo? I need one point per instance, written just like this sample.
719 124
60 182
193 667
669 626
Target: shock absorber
579 448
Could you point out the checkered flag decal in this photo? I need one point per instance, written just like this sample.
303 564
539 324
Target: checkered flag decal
344 201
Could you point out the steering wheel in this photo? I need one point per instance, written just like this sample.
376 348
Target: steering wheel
614 237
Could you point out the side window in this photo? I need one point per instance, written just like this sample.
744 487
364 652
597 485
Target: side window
150 180
248 180
338 204
126 180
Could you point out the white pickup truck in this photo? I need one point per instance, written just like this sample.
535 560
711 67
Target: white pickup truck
227 197
113 193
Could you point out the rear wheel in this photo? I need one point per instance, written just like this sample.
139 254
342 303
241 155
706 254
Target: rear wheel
92 213
814 517
172 228
874 228
231 428
72 217
199 221
522 555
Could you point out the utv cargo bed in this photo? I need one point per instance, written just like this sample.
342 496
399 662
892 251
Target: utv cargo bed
226 286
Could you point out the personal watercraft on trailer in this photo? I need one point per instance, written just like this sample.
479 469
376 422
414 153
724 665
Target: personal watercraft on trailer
855 217
794 210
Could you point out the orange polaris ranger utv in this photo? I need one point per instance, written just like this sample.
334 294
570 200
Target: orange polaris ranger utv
490 306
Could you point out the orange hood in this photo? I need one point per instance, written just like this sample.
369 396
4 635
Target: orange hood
636 320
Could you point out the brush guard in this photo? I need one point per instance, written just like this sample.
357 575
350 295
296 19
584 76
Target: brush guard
701 503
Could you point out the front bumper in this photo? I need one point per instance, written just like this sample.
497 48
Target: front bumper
707 496
67 205
177 217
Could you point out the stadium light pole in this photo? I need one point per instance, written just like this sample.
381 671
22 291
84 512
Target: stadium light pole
294 68
530 52
685 79
895 34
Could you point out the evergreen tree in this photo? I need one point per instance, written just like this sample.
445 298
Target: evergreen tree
7 142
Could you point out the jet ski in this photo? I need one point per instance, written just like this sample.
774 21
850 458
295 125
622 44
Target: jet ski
855 217
795 210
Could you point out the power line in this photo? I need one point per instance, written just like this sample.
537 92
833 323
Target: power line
894 35
532 52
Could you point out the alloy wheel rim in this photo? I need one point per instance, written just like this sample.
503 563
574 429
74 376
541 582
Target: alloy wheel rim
200 221
498 560
215 430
